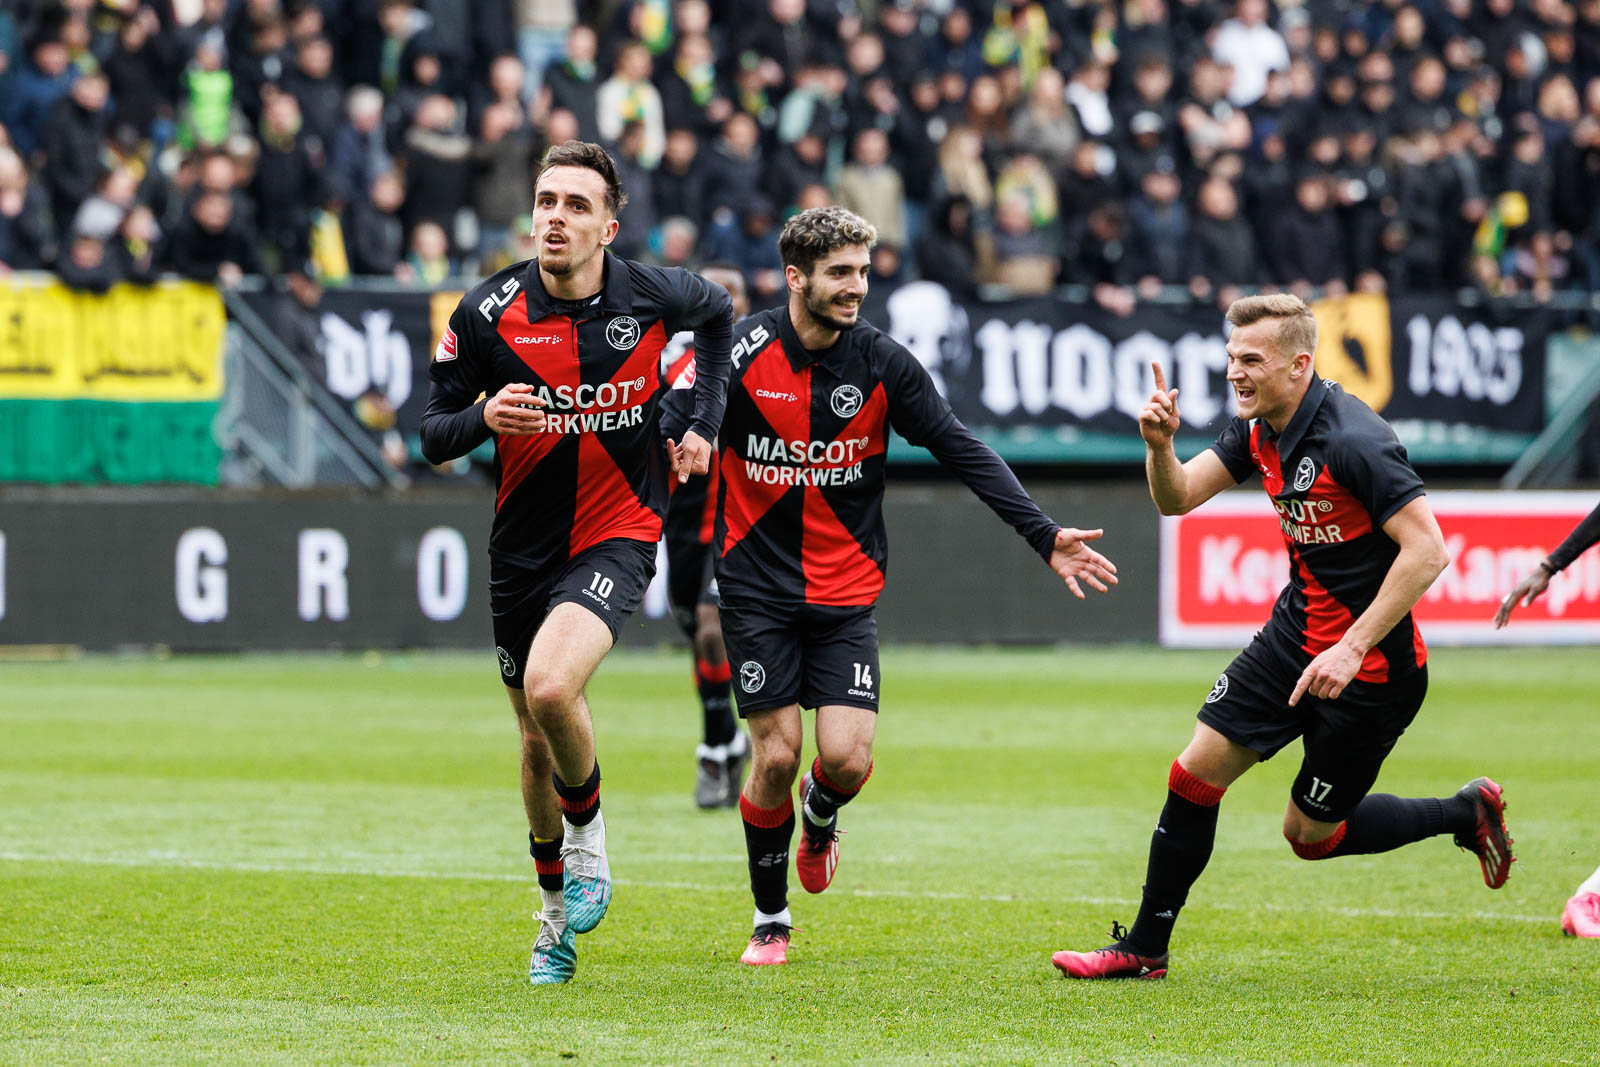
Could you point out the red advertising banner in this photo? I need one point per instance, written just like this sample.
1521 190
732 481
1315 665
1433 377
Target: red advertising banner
1223 565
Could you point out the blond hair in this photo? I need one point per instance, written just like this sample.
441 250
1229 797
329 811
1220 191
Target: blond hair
1297 330
820 231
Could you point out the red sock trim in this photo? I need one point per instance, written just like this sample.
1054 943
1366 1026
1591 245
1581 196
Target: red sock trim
821 778
1319 849
1192 789
555 866
719 673
575 806
766 818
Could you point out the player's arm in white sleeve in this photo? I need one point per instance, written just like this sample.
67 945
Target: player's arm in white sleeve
1176 488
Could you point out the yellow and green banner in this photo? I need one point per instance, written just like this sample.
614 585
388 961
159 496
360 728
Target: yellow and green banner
120 388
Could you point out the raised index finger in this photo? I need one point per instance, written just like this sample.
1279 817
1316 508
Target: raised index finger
1161 379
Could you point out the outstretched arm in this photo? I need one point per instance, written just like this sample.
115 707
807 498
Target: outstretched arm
1582 537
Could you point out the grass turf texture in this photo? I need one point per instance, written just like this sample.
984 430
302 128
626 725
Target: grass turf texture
322 859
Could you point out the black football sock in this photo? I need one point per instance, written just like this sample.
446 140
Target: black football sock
579 803
1179 851
547 862
826 797
766 838
716 701
1383 822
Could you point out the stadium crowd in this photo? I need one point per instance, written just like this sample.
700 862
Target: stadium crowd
1400 146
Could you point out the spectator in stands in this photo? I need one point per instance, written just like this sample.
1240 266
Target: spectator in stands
34 92
358 153
137 245
1013 253
101 215
573 84
1211 124
437 164
638 217
138 76
1087 91
374 235
734 166
692 96
288 179
1252 48
871 188
207 100
777 41
1161 230
795 166
263 60
314 85
963 170
1085 185
628 96
502 173
946 252
679 179
1222 245
27 240
955 48
429 258
211 245
673 243
421 76
1046 125
752 246
78 124
1307 240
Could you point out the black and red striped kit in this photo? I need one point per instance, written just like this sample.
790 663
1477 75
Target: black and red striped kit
800 540
1335 475
691 510
592 486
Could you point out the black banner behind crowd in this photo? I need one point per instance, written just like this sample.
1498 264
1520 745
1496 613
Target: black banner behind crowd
1048 381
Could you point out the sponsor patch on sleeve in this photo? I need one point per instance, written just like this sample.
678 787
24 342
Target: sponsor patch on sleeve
447 347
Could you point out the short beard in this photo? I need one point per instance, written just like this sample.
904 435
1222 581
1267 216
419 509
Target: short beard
822 310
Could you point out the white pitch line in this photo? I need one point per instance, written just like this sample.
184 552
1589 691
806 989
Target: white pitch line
158 860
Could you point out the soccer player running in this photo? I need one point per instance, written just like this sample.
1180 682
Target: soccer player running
1339 664
1581 916
801 547
566 349
724 749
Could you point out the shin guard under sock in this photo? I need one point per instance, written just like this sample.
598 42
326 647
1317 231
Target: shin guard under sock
547 862
1383 822
1179 851
826 796
711 681
767 832
579 803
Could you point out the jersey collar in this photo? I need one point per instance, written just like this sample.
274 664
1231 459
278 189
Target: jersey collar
1293 433
616 292
834 359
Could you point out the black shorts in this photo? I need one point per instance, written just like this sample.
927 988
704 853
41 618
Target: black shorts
801 654
1345 740
691 572
608 578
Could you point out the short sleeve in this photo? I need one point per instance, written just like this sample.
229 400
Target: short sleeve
917 411
1373 468
1232 446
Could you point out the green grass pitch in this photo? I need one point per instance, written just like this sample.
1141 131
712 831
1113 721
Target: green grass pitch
322 859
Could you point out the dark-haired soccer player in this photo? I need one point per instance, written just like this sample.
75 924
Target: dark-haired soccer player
1340 664
724 749
1581 916
801 547
566 348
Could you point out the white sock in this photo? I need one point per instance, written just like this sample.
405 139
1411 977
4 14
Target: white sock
763 919
553 908
1592 883
589 833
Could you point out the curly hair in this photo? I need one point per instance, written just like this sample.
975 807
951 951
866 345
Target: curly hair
819 231
590 157
1297 332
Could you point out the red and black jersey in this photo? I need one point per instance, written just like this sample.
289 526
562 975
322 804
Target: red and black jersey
1336 474
597 472
692 508
802 446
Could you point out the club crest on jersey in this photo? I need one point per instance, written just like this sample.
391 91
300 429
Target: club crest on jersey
447 347
507 667
623 332
752 676
1304 475
1219 690
846 401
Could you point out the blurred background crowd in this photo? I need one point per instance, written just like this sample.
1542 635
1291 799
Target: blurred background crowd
1130 147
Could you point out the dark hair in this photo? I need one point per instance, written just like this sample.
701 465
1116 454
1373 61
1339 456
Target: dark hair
590 157
820 231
